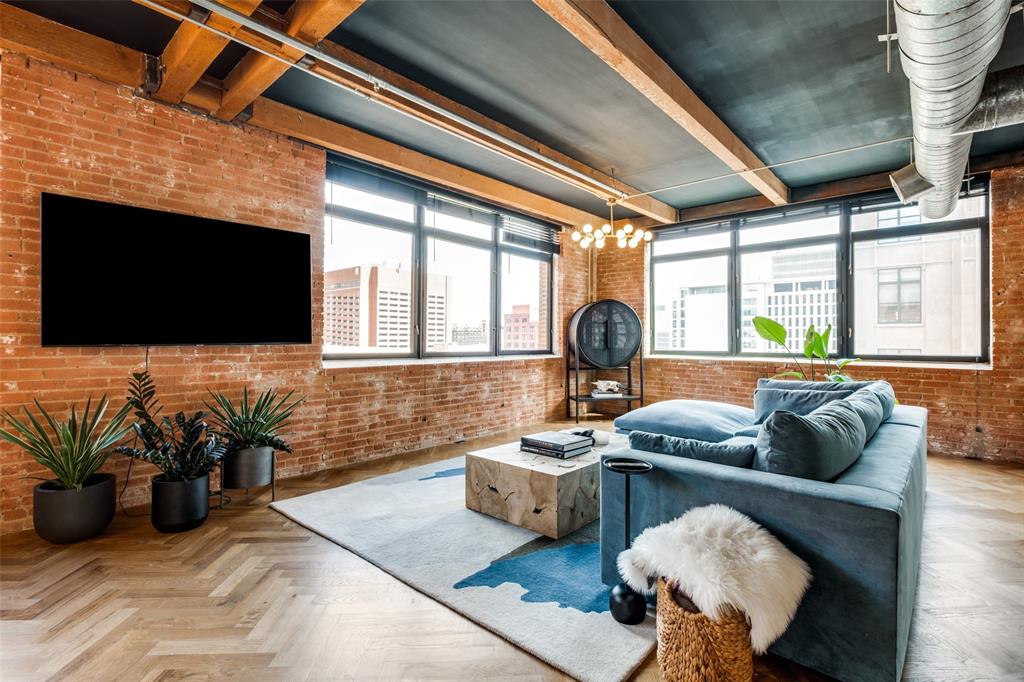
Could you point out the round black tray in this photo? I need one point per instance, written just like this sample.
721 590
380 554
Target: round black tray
627 465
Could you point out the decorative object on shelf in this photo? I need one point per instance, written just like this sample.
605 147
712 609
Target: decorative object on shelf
251 435
78 503
604 335
717 571
185 451
625 236
815 346
626 604
606 387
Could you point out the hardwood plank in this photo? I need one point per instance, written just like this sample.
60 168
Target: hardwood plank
254 596
595 24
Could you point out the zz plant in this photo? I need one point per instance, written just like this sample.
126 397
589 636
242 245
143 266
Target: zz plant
78 447
815 346
183 448
253 424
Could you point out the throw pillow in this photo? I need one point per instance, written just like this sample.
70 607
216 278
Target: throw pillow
869 408
819 446
792 385
798 401
700 419
737 452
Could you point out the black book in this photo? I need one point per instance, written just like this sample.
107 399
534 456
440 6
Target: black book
556 441
559 454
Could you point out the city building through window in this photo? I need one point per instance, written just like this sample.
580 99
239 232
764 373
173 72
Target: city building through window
410 271
889 282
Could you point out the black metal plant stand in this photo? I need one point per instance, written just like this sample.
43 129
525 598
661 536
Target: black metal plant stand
627 605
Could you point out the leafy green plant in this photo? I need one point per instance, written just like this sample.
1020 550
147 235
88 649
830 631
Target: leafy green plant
78 447
815 346
253 425
183 448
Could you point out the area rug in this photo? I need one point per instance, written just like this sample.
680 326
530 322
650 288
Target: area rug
542 595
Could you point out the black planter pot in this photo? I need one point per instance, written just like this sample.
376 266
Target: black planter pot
62 516
249 468
180 505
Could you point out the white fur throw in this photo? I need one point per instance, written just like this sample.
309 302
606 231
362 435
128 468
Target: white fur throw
718 557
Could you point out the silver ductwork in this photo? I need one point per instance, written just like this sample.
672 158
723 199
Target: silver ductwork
946 47
1001 103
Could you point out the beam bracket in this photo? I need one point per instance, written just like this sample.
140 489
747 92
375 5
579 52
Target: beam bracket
244 115
152 74
200 14
306 62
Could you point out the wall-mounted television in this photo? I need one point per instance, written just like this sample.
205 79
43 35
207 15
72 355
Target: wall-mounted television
121 275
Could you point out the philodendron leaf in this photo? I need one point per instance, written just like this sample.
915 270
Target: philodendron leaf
790 375
825 336
819 347
845 361
770 330
809 342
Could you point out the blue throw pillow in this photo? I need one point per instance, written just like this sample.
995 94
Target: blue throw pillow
869 408
699 419
737 452
886 396
819 446
792 385
797 400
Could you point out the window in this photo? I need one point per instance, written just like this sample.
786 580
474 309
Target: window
412 272
889 281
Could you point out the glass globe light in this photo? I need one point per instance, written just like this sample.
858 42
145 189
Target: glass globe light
606 228
576 236
639 234
620 233
633 243
648 236
599 244
588 228
628 228
622 243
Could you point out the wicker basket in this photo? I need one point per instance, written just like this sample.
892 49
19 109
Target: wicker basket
695 648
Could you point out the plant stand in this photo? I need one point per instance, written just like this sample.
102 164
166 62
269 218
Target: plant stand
257 468
627 606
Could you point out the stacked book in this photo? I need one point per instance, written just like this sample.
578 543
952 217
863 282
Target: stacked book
556 444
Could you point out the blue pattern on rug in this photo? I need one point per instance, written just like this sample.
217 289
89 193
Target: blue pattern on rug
568 575
447 473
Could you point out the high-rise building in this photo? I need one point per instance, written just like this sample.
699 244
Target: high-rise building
370 308
517 331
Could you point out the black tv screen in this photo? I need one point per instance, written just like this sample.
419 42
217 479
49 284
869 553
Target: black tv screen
120 275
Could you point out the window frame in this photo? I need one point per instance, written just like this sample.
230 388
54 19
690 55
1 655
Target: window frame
844 241
421 234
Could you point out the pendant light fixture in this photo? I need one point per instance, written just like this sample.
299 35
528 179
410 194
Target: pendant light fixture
625 237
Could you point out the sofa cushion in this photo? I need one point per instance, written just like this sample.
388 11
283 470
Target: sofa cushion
748 431
796 400
699 419
819 446
868 406
736 451
886 396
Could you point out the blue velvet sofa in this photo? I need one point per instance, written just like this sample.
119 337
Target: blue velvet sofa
859 533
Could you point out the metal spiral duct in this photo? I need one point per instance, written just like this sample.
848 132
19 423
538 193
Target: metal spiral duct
946 47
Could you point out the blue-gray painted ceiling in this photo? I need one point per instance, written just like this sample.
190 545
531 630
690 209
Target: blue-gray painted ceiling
792 78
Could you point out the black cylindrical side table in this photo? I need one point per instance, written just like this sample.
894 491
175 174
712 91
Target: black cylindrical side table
627 606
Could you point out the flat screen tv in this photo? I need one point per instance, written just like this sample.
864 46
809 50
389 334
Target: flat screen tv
120 275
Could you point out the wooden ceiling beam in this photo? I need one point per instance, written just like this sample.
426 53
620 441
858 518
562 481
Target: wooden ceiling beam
192 49
595 24
26 33
307 20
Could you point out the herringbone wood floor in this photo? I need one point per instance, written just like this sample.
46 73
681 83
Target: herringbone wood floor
251 595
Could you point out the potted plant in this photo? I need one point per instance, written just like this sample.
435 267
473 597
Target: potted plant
79 502
251 433
184 450
815 346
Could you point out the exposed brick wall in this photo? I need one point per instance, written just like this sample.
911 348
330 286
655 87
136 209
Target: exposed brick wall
73 134
972 413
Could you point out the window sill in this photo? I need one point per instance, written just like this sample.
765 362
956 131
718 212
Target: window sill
781 360
362 363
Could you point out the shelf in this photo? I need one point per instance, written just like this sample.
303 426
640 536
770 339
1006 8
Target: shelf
592 399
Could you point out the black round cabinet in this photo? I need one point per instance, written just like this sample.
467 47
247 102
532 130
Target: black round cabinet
605 334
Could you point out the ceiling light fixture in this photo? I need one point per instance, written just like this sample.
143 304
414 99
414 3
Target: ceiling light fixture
625 237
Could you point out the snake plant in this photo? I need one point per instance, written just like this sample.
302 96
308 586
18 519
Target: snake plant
255 424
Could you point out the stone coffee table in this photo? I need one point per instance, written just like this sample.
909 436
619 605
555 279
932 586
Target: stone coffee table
547 495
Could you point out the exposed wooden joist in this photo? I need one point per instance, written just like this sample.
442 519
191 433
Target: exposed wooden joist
308 20
595 24
341 138
192 49
836 189
31 34
26 33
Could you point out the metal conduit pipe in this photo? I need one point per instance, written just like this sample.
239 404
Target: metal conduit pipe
1001 104
946 47
320 55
